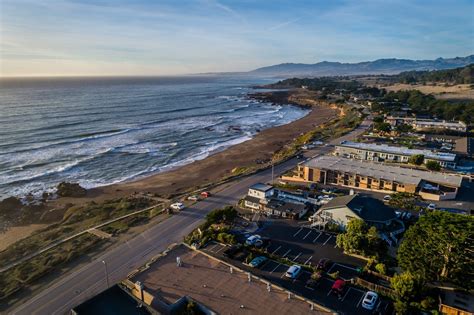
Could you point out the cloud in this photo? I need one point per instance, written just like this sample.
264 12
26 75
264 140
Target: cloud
281 25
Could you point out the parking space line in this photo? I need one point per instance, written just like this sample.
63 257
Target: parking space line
347 267
347 292
222 247
286 253
298 232
307 260
263 266
294 259
329 270
307 234
327 239
276 250
211 249
360 300
314 241
378 305
275 268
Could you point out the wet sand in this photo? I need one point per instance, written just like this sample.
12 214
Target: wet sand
217 166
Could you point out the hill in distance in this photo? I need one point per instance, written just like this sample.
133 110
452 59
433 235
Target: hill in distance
379 66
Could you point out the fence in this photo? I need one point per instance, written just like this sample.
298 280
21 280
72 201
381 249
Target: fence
373 287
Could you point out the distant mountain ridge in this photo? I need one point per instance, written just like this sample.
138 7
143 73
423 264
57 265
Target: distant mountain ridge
379 66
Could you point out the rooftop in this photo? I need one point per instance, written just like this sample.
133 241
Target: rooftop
424 121
369 209
113 301
383 171
399 150
261 187
209 282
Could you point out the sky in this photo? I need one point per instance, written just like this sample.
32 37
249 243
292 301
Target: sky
167 37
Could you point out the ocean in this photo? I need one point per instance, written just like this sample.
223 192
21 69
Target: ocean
99 131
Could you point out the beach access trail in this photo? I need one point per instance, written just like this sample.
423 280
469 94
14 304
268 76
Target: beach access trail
86 281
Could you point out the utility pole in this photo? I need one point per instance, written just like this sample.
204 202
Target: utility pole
106 273
273 172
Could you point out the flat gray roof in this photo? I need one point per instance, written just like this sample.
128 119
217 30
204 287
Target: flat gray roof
383 171
261 187
442 156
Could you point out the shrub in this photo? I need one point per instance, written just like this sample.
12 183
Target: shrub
428 303
380 267
334 275
433 166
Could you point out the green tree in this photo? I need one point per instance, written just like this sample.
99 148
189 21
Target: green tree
416 159
439 247
404 128
353 239
433 166
406 286
378 119
383 127
359 238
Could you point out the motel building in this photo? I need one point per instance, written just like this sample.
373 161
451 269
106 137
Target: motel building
377 177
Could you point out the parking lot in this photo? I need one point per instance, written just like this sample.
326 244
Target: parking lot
307 246
349 302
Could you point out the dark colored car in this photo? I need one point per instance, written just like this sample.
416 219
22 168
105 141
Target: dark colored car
324 264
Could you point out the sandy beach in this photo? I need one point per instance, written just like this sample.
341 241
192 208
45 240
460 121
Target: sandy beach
252 153
217 166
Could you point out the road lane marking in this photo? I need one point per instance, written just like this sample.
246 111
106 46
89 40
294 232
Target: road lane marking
327 239
276 250
286 253
298 232
317 237
294 260
307 234
306 262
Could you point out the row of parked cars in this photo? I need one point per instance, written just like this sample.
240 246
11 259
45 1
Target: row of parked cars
339 286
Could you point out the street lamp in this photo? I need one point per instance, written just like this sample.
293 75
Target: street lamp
106 273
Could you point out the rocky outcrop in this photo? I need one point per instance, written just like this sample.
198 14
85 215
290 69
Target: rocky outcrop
66 189
10 206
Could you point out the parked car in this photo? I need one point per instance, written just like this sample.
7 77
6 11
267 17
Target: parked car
254 240
387 198
177 206
370 300
205 194
327 191
293 272
324 264
258 261
431 206
398 214
338 287
193 198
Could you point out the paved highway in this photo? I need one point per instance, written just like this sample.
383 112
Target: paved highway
88 280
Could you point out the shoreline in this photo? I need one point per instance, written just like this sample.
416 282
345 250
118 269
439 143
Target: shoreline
238 159
254 152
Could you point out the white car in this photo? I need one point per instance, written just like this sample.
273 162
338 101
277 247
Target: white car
431 206
193 198
177 206
387 198
293 271
254 240
370 300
